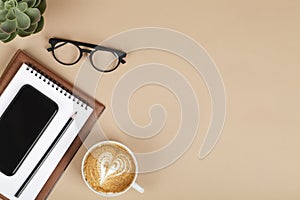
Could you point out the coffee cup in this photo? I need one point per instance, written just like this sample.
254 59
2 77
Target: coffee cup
109 168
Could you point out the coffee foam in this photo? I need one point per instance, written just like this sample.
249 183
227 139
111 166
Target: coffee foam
109 168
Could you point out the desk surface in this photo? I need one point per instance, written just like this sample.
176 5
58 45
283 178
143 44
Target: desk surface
255 46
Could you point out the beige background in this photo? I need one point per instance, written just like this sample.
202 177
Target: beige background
256 45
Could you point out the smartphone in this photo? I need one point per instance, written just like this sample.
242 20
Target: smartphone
21 125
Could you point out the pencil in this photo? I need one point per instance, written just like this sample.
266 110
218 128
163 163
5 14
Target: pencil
42 160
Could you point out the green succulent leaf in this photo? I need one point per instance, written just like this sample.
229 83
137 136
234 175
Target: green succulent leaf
9 26
30 3
10 38
37 3
1 5
11 15
23 21
23 33
4 36
34 15
9 4
3 14
22 6
32 28
40 25
42 6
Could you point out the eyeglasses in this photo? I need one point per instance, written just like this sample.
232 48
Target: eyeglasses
69 52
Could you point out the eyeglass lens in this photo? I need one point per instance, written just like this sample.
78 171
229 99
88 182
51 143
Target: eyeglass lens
66 53
104 60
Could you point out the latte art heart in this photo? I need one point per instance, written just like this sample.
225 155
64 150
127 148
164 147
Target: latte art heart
112 167
109 168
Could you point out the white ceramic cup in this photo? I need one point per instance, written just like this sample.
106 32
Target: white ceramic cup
133 184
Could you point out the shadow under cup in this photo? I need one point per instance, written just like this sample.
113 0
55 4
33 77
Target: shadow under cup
109 168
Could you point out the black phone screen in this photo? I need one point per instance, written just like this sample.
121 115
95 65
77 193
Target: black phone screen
21 125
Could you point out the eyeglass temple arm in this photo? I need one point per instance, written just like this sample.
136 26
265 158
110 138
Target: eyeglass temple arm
55 47
122 61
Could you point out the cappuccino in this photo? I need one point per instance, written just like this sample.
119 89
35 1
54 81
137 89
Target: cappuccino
109 168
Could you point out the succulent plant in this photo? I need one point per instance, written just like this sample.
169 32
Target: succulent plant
20 17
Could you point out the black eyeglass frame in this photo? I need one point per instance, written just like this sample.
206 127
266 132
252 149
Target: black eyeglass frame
120 55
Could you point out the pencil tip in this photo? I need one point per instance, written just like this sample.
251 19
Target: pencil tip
74 114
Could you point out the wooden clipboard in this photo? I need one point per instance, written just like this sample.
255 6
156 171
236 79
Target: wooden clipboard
16 62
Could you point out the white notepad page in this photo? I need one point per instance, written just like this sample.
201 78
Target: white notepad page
67 105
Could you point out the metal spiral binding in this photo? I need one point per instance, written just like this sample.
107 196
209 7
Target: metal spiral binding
55 85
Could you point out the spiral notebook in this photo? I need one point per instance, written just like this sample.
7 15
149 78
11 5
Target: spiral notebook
35 105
